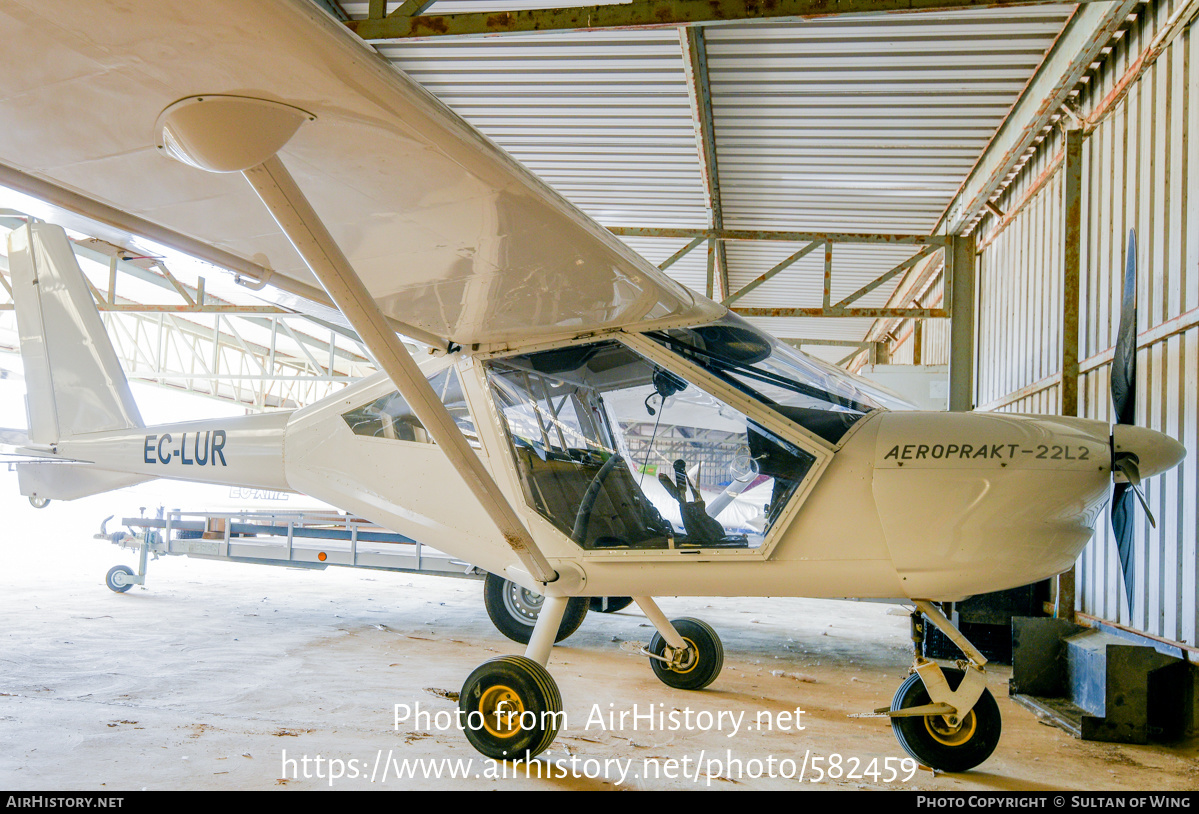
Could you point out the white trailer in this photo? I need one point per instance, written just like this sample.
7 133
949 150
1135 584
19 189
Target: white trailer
314 538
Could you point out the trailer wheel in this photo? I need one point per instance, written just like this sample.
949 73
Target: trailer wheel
513 609
116 578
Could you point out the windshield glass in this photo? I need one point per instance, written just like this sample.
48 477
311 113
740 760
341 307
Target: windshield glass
821 398
619 453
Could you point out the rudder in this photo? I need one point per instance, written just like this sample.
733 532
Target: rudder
75 382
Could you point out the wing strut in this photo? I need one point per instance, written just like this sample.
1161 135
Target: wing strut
229 134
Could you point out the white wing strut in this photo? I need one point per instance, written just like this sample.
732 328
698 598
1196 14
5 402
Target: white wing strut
229 134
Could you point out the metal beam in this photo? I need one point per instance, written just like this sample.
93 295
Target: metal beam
1071 268
828 275
674 258
1078 46
334 9
748 287
1065 583
834 343
411 8
139 308
642 14
710 285
856 313
882 278
695 65
722 266
777 235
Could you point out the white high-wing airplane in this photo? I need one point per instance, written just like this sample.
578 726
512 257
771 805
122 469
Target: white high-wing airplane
573 387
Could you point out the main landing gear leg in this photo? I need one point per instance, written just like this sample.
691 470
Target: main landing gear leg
685 653
510 705
545 631
946 719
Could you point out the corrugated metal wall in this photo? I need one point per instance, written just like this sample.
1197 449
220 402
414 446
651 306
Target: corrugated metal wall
1140 170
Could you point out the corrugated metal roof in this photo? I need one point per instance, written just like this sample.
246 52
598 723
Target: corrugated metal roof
862 123
604 117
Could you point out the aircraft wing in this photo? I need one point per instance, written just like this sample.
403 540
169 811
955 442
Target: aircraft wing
448 233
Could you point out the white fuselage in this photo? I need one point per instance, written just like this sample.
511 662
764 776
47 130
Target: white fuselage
909 504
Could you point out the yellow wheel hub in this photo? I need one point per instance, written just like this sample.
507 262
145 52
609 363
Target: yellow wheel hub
948 735
689 661
501 708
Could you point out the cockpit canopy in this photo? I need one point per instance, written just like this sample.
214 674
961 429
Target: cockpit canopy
821 398
621 453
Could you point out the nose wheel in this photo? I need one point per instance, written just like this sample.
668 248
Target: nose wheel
511 708
945 718
946 742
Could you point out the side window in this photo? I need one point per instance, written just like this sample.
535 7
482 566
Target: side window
448 388
390 416
387 417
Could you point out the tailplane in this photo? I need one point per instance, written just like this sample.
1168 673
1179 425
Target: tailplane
75 382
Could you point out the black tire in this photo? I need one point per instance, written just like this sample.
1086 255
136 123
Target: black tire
519 686
610 604
513 610
704 664
930 740
112 572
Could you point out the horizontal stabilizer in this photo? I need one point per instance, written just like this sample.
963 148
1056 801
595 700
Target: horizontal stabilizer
13 438
68 481
75 382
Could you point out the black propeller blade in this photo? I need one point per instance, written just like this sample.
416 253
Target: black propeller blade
1124 403
1124 365
1122 525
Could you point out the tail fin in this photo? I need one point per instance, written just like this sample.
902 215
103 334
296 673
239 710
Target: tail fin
75 383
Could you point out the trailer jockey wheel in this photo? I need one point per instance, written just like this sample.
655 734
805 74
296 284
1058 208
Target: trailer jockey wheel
697 666
511 708
116 578
933 741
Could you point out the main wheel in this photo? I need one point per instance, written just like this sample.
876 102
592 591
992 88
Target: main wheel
700 664
511 708
118 583
513 610
610 604
932 741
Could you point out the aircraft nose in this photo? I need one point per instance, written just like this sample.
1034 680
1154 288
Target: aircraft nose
1156 452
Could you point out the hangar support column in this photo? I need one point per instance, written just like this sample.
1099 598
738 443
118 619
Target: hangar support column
962 265
1064 589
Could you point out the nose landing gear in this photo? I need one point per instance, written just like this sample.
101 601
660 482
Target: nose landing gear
946 719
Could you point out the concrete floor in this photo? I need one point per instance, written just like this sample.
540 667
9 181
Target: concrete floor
216 675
